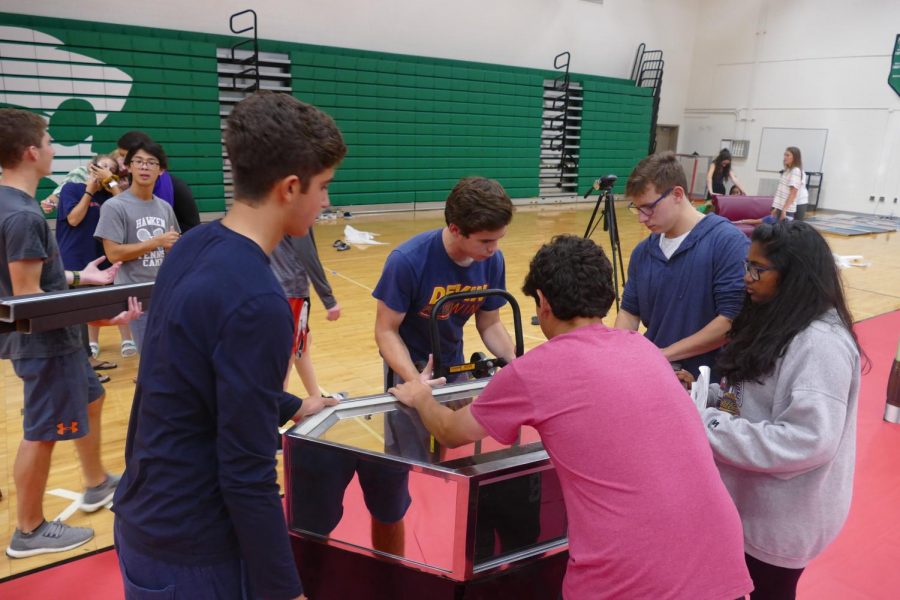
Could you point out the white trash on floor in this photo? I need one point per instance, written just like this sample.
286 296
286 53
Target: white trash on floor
362 238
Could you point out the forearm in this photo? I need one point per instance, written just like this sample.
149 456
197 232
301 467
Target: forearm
438 419
626 320
79 211
792 196
125 252
395 354
497 340
709 338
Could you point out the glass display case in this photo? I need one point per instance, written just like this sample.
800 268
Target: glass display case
367 478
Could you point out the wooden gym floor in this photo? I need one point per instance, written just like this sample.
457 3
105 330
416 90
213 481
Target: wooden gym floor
344 352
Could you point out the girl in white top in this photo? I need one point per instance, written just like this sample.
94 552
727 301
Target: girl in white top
792 181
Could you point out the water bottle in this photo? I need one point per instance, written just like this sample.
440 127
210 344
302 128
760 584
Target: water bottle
892 407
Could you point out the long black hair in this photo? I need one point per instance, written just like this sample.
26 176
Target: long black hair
725 171
809 285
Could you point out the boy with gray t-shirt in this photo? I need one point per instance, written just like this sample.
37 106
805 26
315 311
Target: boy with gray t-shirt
136 227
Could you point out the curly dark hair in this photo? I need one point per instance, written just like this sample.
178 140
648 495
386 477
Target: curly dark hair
270 136
809 285
478 204
575 276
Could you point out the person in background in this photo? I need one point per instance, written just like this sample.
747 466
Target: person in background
76 219
136 227
63 399
719 173
173 190
788 193
295 262
782 426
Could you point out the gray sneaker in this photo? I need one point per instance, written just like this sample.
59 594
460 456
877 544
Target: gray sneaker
52 536
97 497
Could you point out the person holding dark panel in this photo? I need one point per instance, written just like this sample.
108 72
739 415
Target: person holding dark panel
63 399
685 281
198 512
648 515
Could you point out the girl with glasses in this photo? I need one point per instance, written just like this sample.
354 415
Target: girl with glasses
782 425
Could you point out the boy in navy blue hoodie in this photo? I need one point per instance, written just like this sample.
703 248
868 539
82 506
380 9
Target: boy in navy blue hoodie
197 509
685 281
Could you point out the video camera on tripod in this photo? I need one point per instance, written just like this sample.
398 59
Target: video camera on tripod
604 186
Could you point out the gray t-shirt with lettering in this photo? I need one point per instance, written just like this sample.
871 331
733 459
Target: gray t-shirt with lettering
25 235
126 219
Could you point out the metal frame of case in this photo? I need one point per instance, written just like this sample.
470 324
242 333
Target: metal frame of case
531 458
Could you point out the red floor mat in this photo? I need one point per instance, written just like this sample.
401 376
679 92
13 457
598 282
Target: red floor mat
860 564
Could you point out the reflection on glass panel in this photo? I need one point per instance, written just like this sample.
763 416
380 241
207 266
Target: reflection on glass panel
517 513
373 478
373 504
399 432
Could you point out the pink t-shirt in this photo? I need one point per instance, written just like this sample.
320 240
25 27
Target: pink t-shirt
648 514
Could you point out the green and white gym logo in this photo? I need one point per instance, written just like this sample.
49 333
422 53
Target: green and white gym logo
74 92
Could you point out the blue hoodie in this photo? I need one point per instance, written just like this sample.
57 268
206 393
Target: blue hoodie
677 297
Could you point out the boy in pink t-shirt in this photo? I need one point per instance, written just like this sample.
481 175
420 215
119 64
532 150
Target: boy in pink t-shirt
648 514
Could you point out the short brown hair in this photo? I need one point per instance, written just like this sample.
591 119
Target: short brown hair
19 130
270 136
478 204
661 170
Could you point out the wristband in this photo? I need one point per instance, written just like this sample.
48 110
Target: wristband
76 277
88 194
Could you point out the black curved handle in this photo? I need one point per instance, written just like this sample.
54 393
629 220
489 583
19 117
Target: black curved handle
435 311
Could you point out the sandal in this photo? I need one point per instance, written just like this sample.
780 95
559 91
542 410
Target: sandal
129 348
102 365
95 349
103 378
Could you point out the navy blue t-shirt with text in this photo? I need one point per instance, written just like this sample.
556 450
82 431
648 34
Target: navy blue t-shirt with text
417 274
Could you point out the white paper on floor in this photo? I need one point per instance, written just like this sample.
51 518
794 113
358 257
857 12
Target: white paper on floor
361 238
855 260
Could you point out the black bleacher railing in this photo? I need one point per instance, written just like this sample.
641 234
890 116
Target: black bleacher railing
647 71
567 158
251 61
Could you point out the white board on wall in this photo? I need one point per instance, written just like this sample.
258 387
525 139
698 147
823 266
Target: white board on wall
775 140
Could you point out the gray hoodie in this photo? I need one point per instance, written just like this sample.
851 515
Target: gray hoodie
788 459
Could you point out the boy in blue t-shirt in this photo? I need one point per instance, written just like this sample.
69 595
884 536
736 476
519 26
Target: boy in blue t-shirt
461 257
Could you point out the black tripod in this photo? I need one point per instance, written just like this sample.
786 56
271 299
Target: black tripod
608 217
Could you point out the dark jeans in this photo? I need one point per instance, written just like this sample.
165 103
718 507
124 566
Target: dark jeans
771 582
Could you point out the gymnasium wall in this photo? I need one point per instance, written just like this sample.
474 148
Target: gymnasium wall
803 64
414 124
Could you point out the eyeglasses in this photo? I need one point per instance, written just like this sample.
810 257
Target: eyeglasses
754 270
647 209
140 163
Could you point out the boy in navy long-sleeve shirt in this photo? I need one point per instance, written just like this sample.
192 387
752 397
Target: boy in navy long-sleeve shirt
198 507
686 281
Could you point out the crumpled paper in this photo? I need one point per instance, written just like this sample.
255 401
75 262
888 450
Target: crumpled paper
854 260
360 238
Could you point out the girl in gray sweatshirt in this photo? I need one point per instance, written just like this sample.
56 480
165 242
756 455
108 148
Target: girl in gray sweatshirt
783 424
